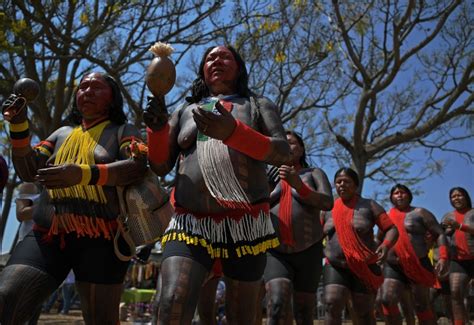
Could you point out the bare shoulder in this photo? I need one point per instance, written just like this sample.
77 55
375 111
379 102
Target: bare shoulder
375 208
129 130
60 134
425 213
265 102
448 216
470 215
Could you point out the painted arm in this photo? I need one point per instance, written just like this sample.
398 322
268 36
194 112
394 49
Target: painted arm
432 225
453 225
125 170
387 228
163 148
269 143
321 198
25 159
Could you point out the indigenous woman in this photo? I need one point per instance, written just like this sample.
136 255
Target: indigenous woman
75 222
224 136
294 268
460 227
408 262
351 269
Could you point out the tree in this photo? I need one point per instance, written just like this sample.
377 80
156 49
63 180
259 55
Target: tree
374 80
56 42
368 83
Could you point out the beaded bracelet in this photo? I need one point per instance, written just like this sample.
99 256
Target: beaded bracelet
94 175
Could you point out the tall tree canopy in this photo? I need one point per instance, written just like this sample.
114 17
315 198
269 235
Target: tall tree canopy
368 83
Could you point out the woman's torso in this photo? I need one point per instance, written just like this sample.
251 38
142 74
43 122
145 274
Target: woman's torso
363 223
305 220
106 151
468 220
416 230
191 191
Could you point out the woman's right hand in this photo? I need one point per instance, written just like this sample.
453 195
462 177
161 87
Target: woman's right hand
155 115
59 176
14 109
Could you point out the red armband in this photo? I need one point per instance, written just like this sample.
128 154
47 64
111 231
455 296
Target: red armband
158 149
248 141
462 227
443 252
103 174
304 190
387 243
383 221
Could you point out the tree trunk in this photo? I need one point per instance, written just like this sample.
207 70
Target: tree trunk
360 166
9 188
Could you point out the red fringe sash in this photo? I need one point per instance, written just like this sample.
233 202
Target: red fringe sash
408 259
358 256
285 212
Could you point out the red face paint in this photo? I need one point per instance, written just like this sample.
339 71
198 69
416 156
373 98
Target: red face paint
94 97
221 71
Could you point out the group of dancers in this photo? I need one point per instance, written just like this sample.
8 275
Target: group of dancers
230 212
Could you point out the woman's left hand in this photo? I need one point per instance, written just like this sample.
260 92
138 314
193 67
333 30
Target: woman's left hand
60 176
450 223
442 268
381 253
290 174
218 126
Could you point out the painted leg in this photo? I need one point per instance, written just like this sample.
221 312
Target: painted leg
363 306
181 280
100 302
422 304
458 283
241 301
407 304
391 294
303 307
23 289
260 298
207 302
279 293
335 297
156 301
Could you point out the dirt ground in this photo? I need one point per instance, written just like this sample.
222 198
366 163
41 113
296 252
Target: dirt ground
75 318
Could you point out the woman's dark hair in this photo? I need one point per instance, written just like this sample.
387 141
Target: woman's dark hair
199 89
303 162
116 113
464 192
349 172
404 189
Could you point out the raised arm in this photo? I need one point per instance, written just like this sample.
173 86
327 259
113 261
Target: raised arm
318 194
25 159
162 136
